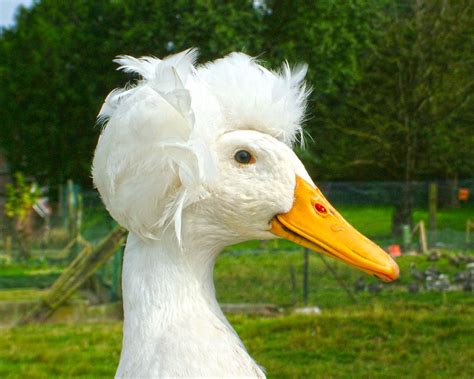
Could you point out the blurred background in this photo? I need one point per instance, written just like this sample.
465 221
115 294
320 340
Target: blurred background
389 140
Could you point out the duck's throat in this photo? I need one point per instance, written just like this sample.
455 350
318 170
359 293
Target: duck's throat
173 325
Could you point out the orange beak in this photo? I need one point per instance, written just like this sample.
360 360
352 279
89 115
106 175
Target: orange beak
313 223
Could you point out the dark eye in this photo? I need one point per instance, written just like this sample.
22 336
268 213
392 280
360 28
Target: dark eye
244 157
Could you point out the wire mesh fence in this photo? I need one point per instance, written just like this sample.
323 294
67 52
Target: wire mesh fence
277 272
369 206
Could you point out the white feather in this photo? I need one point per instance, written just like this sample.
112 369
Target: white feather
159 130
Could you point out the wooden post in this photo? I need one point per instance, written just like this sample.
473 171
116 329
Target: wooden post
70 201
406 237
76 274
432 206
305 276
423 239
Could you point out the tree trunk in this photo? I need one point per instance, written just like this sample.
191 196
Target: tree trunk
403 214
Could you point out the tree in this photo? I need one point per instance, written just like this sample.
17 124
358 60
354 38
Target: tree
391 81
332 38
50 93
407 118
56 69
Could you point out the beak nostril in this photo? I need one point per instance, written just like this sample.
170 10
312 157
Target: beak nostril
320 208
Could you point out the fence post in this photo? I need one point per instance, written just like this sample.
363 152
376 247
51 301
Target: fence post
71 208
432 206
406 236
305 276
423 239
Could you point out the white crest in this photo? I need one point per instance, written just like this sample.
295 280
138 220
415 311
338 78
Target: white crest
153 158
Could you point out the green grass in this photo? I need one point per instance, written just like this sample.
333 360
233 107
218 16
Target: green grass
369 341
21 294
378 341
389 335
454 219
373 221
25 275
265 278
376 221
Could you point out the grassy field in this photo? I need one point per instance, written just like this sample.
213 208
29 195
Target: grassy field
370 341
261 277
390 334
265 278
28 275
376 220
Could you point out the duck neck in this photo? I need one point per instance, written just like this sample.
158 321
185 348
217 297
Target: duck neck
171 315
163 282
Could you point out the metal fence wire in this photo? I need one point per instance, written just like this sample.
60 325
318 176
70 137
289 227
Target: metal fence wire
286 274
369 206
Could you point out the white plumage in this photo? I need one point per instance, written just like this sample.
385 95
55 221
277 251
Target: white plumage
161 129
166 156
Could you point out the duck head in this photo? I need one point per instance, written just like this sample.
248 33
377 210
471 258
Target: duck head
211 146
263 191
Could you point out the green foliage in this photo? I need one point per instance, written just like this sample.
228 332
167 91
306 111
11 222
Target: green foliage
391 81
21 196
330 36
56 66
406 119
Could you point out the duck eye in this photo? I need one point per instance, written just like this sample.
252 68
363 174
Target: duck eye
244 157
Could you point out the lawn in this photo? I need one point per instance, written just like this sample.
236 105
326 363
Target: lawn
250 276
390 334
35 273
375 221
366 341
265 277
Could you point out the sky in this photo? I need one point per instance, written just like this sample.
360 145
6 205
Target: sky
8 10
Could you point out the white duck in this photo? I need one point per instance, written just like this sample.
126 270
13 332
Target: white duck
193 159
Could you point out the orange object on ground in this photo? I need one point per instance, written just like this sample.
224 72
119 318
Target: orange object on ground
394 250
463 194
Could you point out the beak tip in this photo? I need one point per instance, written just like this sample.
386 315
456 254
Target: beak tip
393 272
396 271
